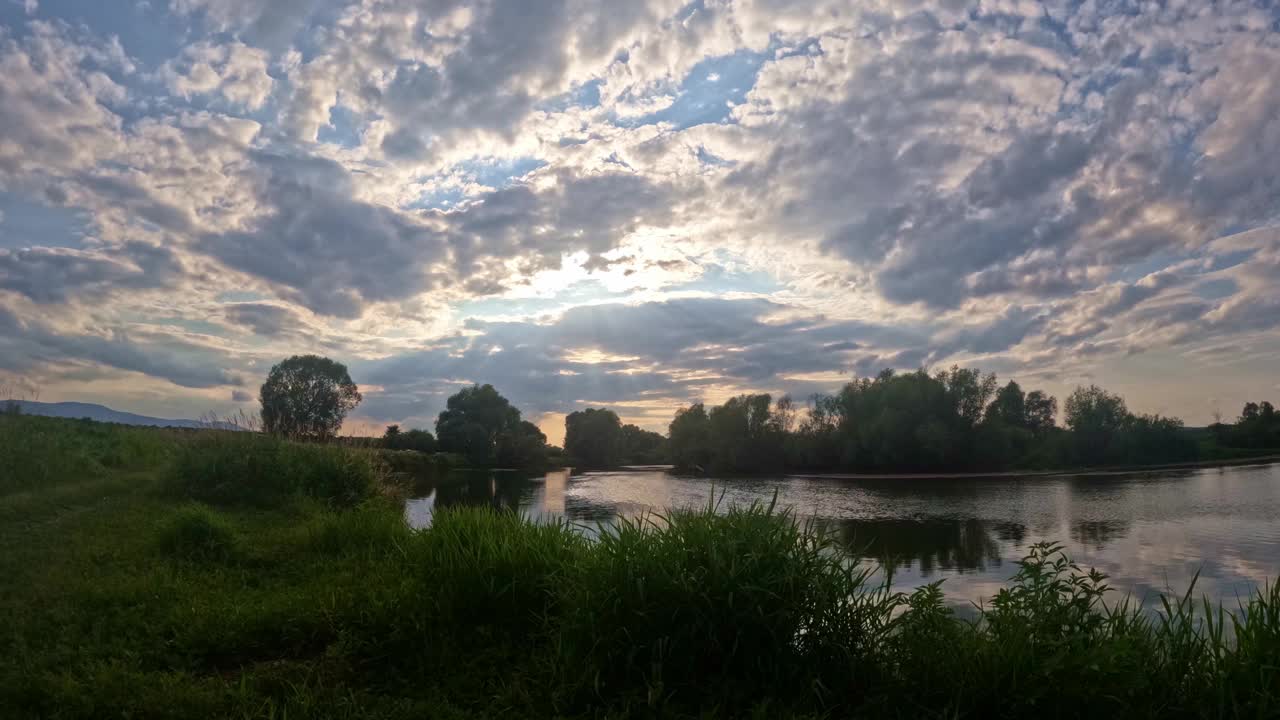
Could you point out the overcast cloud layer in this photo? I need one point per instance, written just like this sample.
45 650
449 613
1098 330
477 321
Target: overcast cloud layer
637 204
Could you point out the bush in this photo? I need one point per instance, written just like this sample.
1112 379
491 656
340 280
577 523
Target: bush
196 532
239 467
706 607
479 590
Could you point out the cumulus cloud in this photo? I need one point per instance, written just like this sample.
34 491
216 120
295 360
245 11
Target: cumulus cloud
557 197
234 70
53 275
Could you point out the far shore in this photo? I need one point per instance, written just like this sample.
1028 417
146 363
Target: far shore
1118 470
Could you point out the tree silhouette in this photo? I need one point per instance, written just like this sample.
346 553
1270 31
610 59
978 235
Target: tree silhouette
307 396
593 437
475 420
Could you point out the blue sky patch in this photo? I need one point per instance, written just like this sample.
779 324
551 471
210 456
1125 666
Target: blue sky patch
26 223
708 92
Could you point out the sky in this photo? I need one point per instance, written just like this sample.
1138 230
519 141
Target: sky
637 204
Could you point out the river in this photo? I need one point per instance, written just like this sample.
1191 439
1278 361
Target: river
1151 532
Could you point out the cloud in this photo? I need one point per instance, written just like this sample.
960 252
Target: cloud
661 353
262 318
272 24
559 198
30 344
55 275
234 70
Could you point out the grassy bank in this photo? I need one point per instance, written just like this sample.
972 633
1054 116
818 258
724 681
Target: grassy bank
157 574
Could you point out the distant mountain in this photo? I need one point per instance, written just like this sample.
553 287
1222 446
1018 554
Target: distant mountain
101 413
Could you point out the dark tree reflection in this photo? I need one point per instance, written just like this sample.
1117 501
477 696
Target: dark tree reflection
930 543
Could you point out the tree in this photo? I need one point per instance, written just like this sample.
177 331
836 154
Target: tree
307 396
522 446
642 447
473 421
593 437
744 435
1095 417
969 392
1250 412
415 439
1041 409
1009 407
688 434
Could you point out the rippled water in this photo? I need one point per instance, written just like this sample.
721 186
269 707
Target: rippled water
1150 532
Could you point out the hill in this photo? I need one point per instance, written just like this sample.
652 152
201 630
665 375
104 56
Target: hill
102 413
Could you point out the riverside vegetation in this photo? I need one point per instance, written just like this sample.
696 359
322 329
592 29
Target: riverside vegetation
156 573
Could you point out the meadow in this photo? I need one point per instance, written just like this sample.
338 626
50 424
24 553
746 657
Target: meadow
156 573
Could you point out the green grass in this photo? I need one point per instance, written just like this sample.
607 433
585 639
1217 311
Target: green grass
226 467
242 577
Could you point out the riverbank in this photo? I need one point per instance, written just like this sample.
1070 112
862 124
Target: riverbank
295 589
1099 471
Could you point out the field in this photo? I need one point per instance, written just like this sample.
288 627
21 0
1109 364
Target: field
186 574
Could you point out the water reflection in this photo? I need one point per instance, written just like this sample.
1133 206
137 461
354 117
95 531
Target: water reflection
928 544
1097 534
1151 532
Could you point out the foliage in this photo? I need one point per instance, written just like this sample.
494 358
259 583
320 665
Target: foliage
688 436
1258 427
524 446
415 440
307 397
224 467
1094 417
642 447
744 435
593 437
956 420
482 425
698 608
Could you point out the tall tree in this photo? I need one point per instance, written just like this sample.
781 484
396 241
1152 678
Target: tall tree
593 437
1095 418
307 396
1041 409
473 421
522 446
642 447
1009 407
688 435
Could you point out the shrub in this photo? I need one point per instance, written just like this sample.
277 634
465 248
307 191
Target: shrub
719 607
196 532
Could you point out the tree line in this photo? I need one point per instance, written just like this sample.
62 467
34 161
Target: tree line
955 420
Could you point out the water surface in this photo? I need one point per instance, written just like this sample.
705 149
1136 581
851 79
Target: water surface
1151 532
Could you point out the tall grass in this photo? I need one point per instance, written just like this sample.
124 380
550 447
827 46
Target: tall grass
227 467
198 533
698 606
37 452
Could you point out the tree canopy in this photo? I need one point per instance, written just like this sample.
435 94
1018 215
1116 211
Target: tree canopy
955 420
415 439
307 396
481 424
593 437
